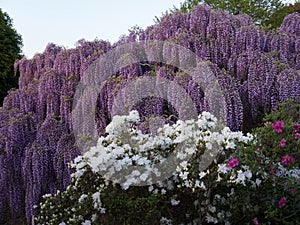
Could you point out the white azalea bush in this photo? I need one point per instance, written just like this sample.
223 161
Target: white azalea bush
192 172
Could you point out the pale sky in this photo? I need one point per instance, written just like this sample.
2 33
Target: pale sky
65 22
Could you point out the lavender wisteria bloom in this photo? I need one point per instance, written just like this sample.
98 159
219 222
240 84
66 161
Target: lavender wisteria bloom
256 69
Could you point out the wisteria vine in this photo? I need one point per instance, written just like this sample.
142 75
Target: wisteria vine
36 133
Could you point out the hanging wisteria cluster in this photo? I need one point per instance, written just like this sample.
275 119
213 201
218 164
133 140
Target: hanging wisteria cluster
257 69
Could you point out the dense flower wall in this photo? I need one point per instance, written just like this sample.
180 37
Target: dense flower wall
257 68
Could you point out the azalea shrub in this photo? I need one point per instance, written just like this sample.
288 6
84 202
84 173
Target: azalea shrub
191 172
280 133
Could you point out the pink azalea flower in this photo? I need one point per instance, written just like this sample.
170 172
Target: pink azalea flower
297 135
282 143
267 123
286 160
233 163
255 221
272 172
282 202
292 191
296 127
277 127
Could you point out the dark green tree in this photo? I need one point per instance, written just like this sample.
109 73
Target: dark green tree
259 10
10 51
278 16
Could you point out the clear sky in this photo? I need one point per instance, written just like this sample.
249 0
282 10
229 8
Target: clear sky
64 22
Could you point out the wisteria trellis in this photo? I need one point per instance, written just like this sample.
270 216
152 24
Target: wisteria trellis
36 134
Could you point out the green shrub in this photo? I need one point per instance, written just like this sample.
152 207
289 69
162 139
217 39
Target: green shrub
248 182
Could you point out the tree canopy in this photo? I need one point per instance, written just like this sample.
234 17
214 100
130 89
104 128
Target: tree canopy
277 17
10 51
259 10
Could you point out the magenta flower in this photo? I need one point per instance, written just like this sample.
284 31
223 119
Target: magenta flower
297 135
256 222
286 160
272 172
296 127
277 127
282 202
233 163
292 191
282 143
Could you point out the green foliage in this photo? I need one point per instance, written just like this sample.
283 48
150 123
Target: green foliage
266 154
134 206
63 205
10 51
277 17
259 10
259 189
269 140
289 109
